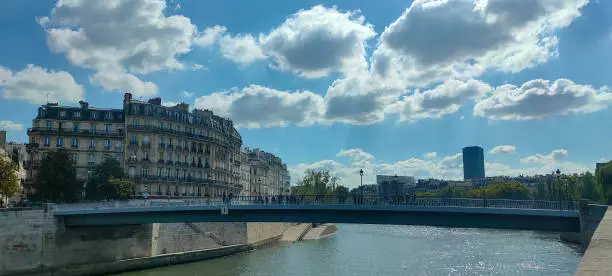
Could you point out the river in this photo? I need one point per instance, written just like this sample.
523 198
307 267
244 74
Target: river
399 250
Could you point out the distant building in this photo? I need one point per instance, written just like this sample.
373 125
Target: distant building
2 139
473 163
389 185
601 165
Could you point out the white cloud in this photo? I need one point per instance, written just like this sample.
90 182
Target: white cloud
10 125
169 103
318 41
435 40
122 82
258 106
34 84
444 99
119 34
503 149
541 98
553 157
242 48
430 155
210 36
187 94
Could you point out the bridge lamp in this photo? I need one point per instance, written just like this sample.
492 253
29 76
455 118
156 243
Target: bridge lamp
361 183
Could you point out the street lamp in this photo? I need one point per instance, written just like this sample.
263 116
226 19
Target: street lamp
558 172
361 183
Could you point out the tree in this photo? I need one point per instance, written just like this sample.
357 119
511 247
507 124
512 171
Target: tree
540 192
604 182
589 187
122 188
56 179
9 181
99 184
315 182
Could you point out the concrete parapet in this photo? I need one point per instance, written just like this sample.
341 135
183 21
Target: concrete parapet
596 259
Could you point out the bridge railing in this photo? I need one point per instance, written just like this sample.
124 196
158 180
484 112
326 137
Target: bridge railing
330 200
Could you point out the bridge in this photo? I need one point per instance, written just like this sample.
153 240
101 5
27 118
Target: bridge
446 212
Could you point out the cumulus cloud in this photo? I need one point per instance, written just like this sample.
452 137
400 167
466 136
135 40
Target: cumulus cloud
187 94
503 149
122 82
315 42
540 98
10 125
134 36
34 84
210 36
242 49
443 99
258 106
430 155
434 40
552 157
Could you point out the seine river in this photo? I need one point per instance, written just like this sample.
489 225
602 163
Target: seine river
399 250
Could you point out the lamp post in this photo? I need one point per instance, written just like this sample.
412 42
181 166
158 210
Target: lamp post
558 172
361 183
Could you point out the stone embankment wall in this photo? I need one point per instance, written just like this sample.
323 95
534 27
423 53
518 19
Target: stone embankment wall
35 242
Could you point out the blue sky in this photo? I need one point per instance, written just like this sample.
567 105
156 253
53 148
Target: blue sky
393 87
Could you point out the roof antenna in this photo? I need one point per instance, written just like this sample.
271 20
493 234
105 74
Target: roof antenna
47 94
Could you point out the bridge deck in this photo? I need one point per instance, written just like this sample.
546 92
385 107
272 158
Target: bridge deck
447 216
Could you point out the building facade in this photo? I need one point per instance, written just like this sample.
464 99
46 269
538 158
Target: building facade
268 174
473 164
167 151
390 185
89 134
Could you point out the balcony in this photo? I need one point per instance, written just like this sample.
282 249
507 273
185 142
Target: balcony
146 145
76 132
146 159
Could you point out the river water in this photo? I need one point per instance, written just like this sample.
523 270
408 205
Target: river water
399 250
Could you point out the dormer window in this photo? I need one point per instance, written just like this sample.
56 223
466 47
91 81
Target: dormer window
108 116
76 114
62 113
94 115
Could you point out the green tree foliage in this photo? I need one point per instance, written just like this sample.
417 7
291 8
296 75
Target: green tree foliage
9 181
508 190
99 184
56 179
588 187
122 188
604 182
316 182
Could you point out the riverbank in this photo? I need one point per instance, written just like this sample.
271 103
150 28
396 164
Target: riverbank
320 232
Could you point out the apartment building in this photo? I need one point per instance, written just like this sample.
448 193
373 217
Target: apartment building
268 174
167 151
89 134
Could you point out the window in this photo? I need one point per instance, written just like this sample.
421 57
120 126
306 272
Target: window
145 172
76 114
134 109
94 115
107 143
161 125
60 141
145 139
107 128
75 127
135 122
147 110
62 113
134 139
92 128
167 172
74 158
92 143
159 172
47 140
145 155
108 116
132 172
170 141
75 142
91 158
119 144
169 156
161 139
49 124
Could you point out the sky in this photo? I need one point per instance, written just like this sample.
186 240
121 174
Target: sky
391 87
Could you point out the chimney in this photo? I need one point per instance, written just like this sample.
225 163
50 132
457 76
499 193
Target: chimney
84 104
155 101
127 97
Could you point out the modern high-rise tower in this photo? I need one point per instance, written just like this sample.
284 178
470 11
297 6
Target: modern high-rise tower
473 163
